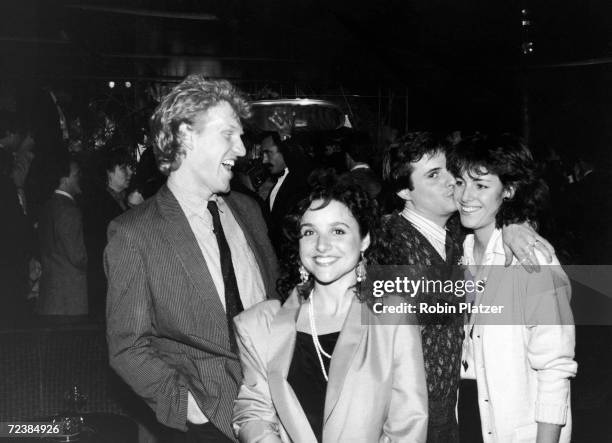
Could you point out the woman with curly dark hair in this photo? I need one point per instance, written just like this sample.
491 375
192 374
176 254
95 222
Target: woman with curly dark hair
321 367
515 372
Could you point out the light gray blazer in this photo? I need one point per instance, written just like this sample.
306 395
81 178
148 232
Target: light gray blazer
376 389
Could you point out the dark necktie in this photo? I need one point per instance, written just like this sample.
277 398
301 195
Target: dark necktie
233 305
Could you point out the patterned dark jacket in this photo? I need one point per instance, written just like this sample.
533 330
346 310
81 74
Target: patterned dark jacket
442 335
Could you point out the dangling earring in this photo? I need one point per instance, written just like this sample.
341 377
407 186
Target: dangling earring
360 270
304 275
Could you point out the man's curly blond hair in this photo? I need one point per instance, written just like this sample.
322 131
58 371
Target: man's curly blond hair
189 99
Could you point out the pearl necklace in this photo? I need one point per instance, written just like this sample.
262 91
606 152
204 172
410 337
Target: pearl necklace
315 337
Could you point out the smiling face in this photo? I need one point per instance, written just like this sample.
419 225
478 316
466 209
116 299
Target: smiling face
479 197
432 193
331 243
212 145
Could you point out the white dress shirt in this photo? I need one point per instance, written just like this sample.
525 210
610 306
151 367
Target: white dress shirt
248 275
277 186
360 166
64 193
431 231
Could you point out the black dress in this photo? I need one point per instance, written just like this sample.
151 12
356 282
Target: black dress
306 378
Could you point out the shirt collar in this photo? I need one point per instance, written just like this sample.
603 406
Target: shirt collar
424 223
64 193
280 179
360 166
192 204
495 247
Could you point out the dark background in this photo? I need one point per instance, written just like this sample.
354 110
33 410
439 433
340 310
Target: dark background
397 64
416 64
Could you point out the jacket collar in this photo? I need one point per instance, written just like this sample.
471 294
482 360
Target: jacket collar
282 336
492 271
402 223
283 333
353 332
242 219
184 244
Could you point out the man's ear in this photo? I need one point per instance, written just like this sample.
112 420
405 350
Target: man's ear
508 192
186 135
404 194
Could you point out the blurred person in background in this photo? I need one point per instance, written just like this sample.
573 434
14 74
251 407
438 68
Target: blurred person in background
289 168
358 150
16 232
63 285
147 178
103 203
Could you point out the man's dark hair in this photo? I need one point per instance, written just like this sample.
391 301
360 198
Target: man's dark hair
189 99
117 157
292 150
411 148
60 167
359 146
509 158
282 148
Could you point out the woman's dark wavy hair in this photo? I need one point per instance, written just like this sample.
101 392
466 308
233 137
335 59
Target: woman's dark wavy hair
326 186
509 158
183 104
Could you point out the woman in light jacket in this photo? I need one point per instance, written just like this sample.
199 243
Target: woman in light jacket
517 362
320 367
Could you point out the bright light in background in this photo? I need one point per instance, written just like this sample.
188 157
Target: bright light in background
111 85
128 84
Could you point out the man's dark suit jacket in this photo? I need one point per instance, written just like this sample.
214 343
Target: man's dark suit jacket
99 208
166 326
293 189
63 283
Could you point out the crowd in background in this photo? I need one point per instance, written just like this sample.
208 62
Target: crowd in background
77 194
60 194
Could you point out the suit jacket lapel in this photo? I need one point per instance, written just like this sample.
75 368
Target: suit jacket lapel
241 219
183 241
344 352
285 190
282 346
